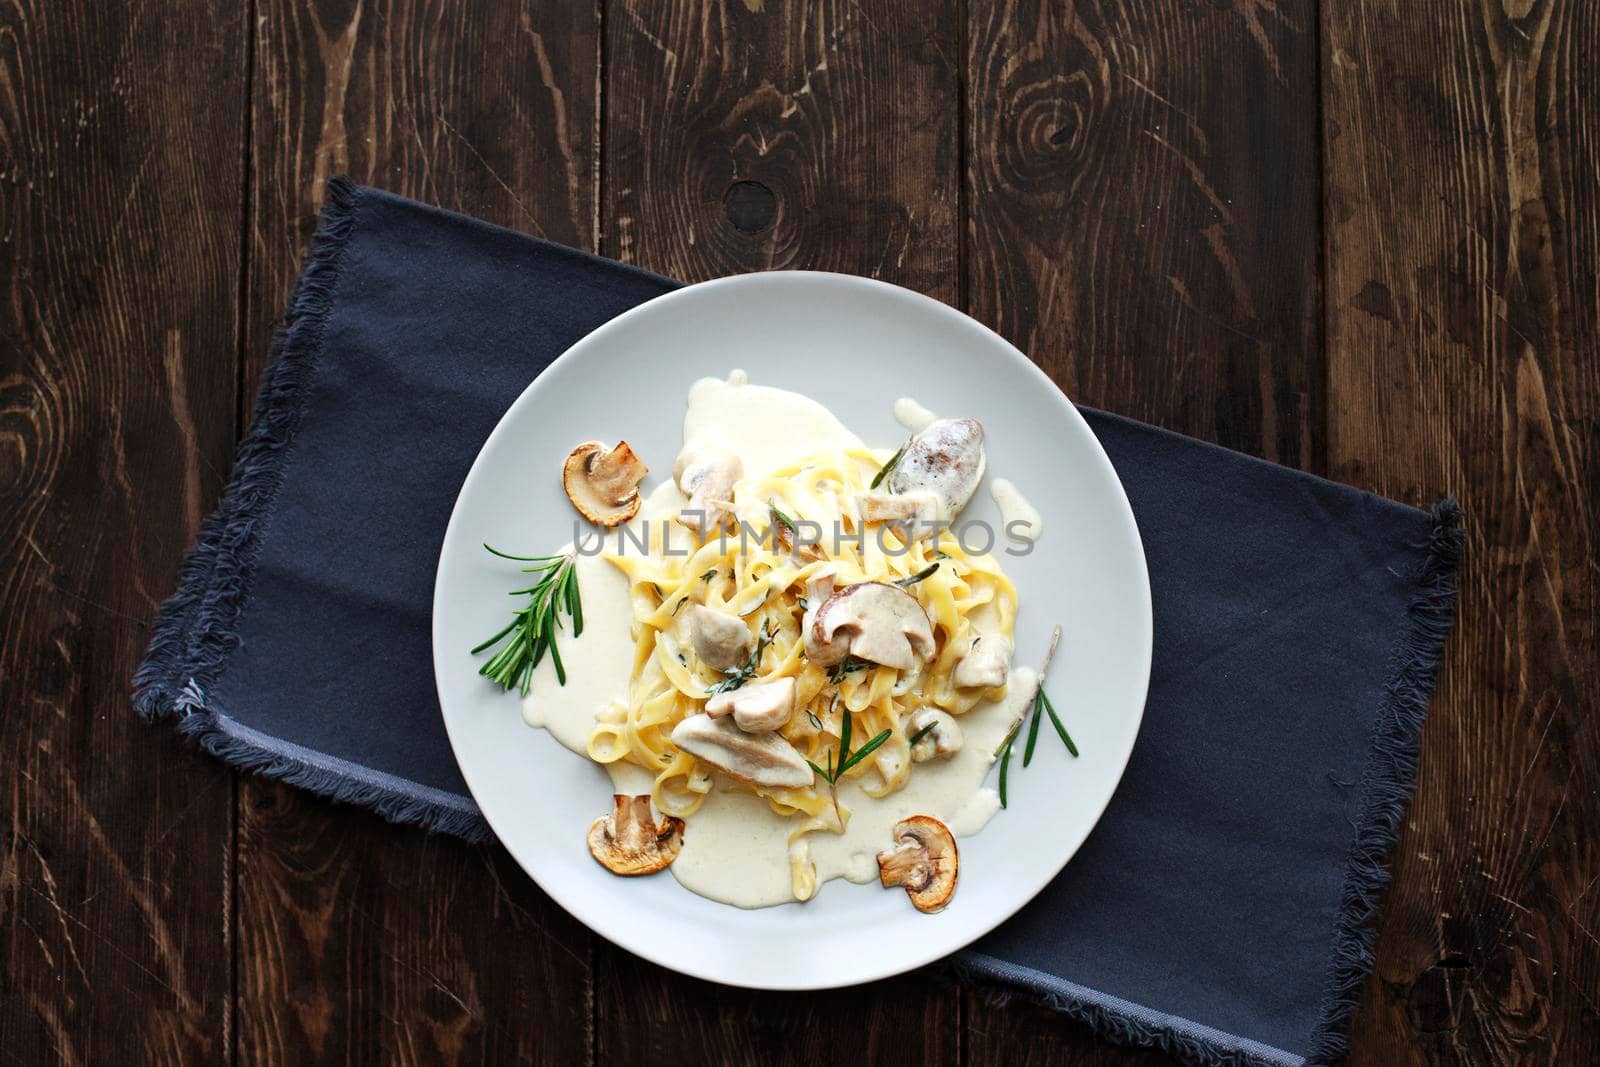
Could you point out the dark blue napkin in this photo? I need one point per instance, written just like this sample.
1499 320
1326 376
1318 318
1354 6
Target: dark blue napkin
1220 909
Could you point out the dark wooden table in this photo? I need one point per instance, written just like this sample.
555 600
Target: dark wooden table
1358 238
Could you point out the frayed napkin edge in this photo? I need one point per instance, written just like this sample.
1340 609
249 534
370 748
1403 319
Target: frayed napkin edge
1387 784
1389 780
196 629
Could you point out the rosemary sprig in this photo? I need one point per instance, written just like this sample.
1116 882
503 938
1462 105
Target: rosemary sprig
532 630
737 676
920 734
911 580
883 471
1041 708
847 759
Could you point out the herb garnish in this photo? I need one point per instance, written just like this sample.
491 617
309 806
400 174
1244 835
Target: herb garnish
847 759
737 676
911 580
533 628
1041 707
883 471
708 575
848 665
780 518
920 734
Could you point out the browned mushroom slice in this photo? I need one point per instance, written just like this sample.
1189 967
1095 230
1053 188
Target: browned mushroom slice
629 842
603 484
924 860
883 623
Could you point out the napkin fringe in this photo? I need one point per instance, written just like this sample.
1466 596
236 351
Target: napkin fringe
1390 776
1103 1020
196 629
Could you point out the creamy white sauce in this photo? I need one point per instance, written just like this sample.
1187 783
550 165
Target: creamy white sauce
1014 508
736 849
764 427
912 415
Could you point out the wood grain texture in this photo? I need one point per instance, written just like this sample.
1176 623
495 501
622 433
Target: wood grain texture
752 136
358 940
1143 222
768 135
1463 228
1142 182
119 252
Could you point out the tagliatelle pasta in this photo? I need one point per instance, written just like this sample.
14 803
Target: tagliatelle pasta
793 522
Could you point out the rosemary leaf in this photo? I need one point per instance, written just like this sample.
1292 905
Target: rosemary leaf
1055 720
708 575
911 580
920 734
1005 765
848 665
883 471
1033 729
844 737
865 750
780 518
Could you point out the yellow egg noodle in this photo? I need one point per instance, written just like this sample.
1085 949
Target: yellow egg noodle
759 580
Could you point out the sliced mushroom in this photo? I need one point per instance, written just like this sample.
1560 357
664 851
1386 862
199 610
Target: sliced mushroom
629 842
722 641
756 709
940 735
761 759
603 485
924 859
945 458
883 623
706 473
918 511
986 664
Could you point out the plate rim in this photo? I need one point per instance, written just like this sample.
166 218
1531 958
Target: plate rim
573 904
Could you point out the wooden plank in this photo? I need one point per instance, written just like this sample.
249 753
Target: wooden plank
119 268
360 940
1142 190
1142 180
776 135
1463 216
746 137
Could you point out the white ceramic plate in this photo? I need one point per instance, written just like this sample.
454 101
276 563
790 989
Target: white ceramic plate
855 345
